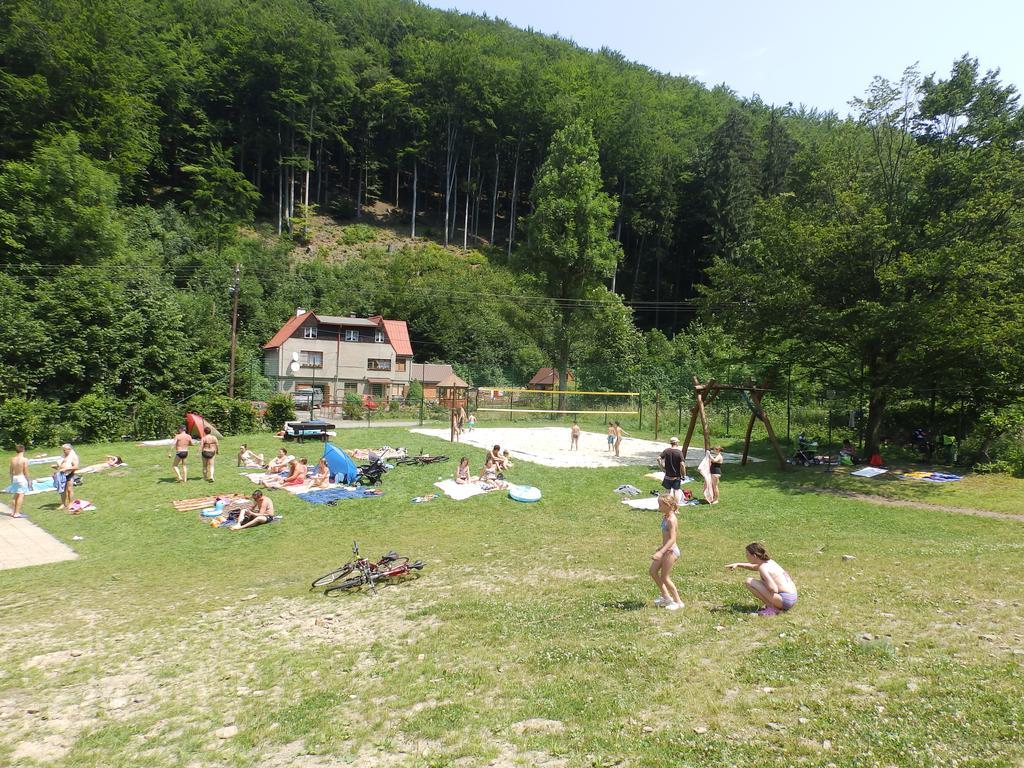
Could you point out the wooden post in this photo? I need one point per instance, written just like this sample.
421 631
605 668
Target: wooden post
704 421
746 440
689 429
657 411
451 437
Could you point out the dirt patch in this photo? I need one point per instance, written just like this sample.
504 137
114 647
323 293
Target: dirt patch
886 502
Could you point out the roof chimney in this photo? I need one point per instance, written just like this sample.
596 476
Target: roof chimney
300 312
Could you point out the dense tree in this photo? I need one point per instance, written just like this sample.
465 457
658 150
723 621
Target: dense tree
569 231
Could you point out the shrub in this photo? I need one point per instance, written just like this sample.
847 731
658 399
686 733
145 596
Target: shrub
230 416
393 406
96 417
415 391
354 234
156 417
353 406
280 408
30 422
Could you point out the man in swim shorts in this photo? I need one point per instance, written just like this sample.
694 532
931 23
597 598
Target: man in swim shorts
182 441
20 480
262 512
65 475
672 461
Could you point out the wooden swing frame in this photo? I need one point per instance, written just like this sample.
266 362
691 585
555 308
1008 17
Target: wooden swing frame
706 395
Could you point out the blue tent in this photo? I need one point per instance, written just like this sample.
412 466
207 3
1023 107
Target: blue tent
341 466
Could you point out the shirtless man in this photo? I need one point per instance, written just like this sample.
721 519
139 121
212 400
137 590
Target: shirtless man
209 447
574 437
262 512
67 467
19 479
182 441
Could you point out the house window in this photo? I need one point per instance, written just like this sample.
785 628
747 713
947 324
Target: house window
351 335
400 366
379 337
308 359
375 364
351 387
309 332
377 391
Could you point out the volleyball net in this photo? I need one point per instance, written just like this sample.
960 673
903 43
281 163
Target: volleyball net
516 404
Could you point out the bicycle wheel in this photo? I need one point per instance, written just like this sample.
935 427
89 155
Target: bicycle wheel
386 565
404 460
329 578
348 584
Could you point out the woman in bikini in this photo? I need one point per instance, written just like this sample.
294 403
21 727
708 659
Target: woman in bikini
462 472
666 555
322 478
716 472
208 448
619 432
775 588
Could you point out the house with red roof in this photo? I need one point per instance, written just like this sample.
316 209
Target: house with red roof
340 355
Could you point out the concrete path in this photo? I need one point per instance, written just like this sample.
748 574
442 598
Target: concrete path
23 543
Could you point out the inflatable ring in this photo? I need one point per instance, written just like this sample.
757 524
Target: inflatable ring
211 512
524 493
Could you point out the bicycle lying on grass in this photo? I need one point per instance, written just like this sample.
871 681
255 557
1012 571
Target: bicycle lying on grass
422 459
391 566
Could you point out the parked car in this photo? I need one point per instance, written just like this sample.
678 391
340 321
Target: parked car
307 396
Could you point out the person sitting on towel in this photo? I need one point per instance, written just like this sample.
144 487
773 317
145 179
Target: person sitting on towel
322 478
262 511
280 462
489 475
247 458
462 472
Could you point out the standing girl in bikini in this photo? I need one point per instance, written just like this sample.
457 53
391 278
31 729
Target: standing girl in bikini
716 472
666 555
775 588
208 448
619 432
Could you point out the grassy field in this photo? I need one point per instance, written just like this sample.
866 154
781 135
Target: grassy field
529 638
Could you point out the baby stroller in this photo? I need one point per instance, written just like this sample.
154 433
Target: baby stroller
806 452
371 474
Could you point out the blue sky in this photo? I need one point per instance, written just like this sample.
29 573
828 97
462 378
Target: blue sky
816 53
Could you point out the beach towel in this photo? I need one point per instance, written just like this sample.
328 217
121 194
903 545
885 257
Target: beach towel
423 499
659 476
651 502
156 443
81 505
38 486
704 470
100 467
459 492
868 472
330 495
931 477
45 460
628 490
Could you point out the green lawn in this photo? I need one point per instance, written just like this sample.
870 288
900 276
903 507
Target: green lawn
528 639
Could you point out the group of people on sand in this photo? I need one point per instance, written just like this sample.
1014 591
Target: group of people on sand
491 475
209 447
774 588
615 433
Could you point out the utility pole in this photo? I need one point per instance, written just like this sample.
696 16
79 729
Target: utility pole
234 330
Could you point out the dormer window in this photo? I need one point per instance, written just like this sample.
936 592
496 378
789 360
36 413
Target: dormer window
379 337
309 332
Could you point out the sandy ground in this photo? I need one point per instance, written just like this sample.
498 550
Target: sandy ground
550 446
